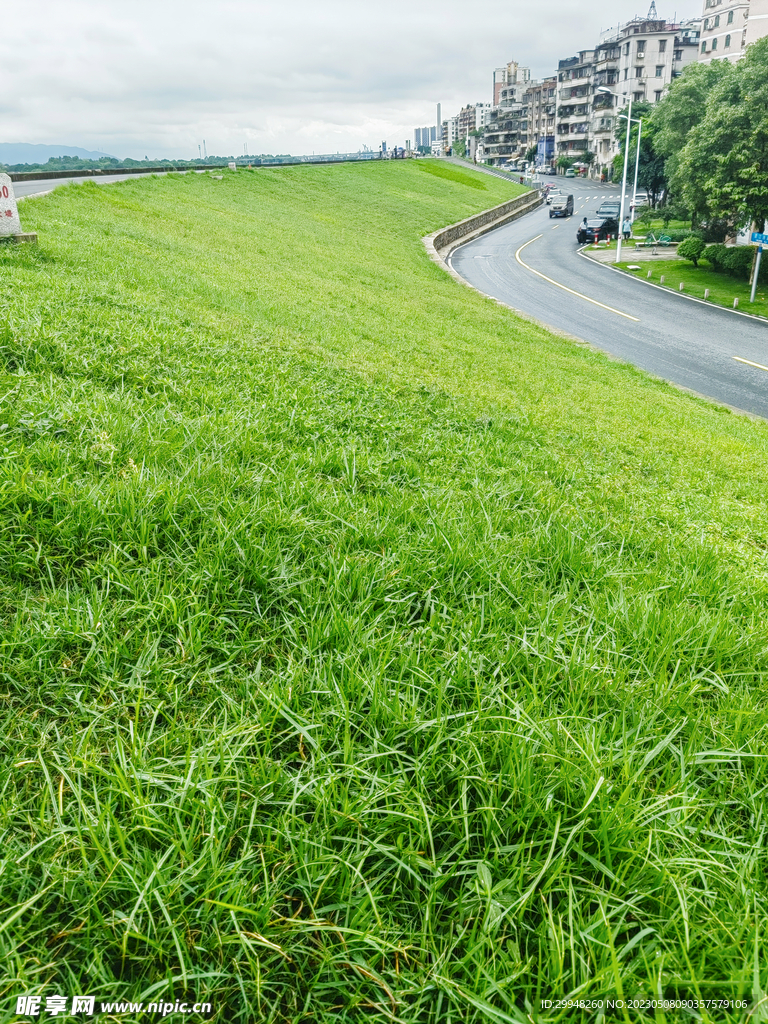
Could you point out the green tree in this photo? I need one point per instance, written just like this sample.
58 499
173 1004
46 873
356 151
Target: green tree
652 173
682 108
723 168
531 153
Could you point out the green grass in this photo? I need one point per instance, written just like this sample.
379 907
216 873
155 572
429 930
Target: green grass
723 288
368 652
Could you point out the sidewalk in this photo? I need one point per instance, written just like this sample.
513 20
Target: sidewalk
629 254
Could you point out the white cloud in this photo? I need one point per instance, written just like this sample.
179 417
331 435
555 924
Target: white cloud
155 77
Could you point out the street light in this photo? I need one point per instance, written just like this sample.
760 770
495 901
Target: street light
639 122
624 179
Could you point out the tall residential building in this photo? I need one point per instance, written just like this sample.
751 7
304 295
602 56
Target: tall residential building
638 59
512 74
541 100
450 132
507 128
424 137
757 22
724 30
472 117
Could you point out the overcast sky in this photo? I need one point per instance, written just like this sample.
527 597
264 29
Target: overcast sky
156 77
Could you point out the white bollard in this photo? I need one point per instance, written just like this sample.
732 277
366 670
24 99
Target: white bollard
661 279
706 293
649 274
735 303
682 286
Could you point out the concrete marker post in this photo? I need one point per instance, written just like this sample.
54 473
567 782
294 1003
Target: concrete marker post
10 224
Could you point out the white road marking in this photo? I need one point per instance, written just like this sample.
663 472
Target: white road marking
557 284
758 366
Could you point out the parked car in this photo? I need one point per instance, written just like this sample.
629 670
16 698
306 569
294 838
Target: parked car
561 206
570 173
597 229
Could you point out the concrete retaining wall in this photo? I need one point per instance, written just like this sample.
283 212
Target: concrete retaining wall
442 241
440 244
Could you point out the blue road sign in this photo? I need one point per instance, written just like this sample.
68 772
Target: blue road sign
758 237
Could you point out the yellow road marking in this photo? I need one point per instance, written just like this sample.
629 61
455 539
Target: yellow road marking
758 366
557 284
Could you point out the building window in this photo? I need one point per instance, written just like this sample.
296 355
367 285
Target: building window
678 54
703 50
727 42
658 95
714 42
730 17
638 72
626 74
717 21
659 70
662 46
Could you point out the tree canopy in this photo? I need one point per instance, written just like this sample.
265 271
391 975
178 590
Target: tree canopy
723 166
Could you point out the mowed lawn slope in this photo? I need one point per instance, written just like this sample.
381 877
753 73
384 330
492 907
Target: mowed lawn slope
368 652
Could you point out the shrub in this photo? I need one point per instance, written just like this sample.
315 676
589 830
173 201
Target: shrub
716 230
739 261
715 255
692 249
680 234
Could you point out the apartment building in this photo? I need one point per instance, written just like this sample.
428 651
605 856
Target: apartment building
472 117
509 75
506 131
757 22
638 59
724 30
541 101
450 132
506 135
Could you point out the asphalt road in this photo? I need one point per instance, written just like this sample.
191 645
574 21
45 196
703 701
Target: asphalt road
700 347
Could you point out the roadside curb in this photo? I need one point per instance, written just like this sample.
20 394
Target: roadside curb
670 291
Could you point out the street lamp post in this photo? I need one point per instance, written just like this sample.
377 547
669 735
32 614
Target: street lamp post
624 181
626 164
637 168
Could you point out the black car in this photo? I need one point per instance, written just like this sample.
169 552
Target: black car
597 229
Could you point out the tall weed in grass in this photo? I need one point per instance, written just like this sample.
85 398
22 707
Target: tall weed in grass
367 652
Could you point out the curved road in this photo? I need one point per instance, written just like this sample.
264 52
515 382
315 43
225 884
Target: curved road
533 264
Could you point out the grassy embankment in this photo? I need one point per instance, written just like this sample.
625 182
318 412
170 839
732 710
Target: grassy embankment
368 652
723 288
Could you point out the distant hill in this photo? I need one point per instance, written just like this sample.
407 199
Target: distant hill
27 153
